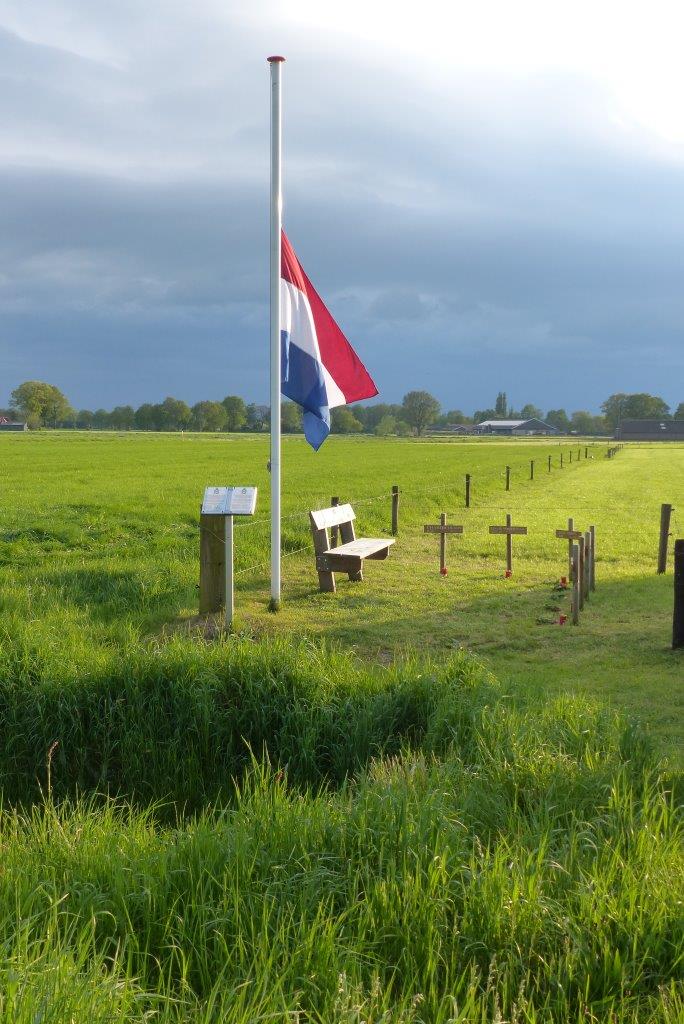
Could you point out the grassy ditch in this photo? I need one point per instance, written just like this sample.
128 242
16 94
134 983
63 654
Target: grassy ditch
419 845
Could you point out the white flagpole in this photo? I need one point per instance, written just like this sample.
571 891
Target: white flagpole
276 228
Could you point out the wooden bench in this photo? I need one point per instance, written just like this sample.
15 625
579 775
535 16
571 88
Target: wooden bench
350 554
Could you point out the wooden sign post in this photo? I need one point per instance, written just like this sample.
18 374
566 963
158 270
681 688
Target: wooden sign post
571 534
219 506
509 530
442 530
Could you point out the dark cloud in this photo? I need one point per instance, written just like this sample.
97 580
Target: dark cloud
501 233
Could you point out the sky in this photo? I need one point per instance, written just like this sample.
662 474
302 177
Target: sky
488 196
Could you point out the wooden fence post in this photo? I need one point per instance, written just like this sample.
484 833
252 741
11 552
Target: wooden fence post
212 597
587 565
580 544
586 453
678 616
509 545
571 527
395 510
531 469
467 493
508 478
442 544
334 530
665 513
575 584
561 454
549 469
571 456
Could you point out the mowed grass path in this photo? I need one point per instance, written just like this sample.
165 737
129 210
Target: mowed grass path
99 549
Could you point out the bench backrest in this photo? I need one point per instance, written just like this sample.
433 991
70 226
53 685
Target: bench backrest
334 516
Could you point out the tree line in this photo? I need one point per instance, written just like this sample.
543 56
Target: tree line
43 405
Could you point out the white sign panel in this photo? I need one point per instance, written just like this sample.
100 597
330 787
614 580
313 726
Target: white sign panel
229 501
241 501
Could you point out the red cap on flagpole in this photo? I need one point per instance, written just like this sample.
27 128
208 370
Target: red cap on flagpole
275 60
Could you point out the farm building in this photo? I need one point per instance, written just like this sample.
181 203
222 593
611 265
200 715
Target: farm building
650 430
515 427
452 428
6 424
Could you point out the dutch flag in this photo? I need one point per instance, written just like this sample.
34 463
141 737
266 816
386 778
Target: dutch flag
319 368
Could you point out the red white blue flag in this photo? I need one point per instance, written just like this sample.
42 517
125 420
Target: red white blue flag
319 368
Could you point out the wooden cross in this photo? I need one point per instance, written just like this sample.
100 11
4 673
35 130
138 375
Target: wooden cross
442 530
570 535
509 530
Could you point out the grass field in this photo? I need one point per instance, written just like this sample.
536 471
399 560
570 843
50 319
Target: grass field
337 814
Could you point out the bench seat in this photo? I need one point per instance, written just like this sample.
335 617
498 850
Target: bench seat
350 554
364 547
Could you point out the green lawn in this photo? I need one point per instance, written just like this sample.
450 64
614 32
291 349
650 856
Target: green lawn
337 814
99 547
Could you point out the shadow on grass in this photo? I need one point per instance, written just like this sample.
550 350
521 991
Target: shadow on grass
183 724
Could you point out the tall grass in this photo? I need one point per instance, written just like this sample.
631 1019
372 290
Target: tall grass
419 845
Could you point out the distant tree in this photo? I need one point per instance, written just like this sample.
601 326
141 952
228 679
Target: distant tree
501 406
147 417
122 417
101 419
420 409
208 416
41 404
639 406
530 412
480 415
9 414
386 426
291 418
236 412
84 419
258 417
582 422
613 408
343 421
644 407
402 429
558 418
453 416
174 414
371 415
679 412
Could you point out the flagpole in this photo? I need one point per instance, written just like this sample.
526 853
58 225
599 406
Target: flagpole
276 230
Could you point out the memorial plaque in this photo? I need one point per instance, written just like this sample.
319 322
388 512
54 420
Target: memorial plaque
215 500
241 501
229 501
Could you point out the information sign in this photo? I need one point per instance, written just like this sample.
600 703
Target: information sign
229 501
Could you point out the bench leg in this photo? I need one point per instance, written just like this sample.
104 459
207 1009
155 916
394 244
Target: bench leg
326 582
348 534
